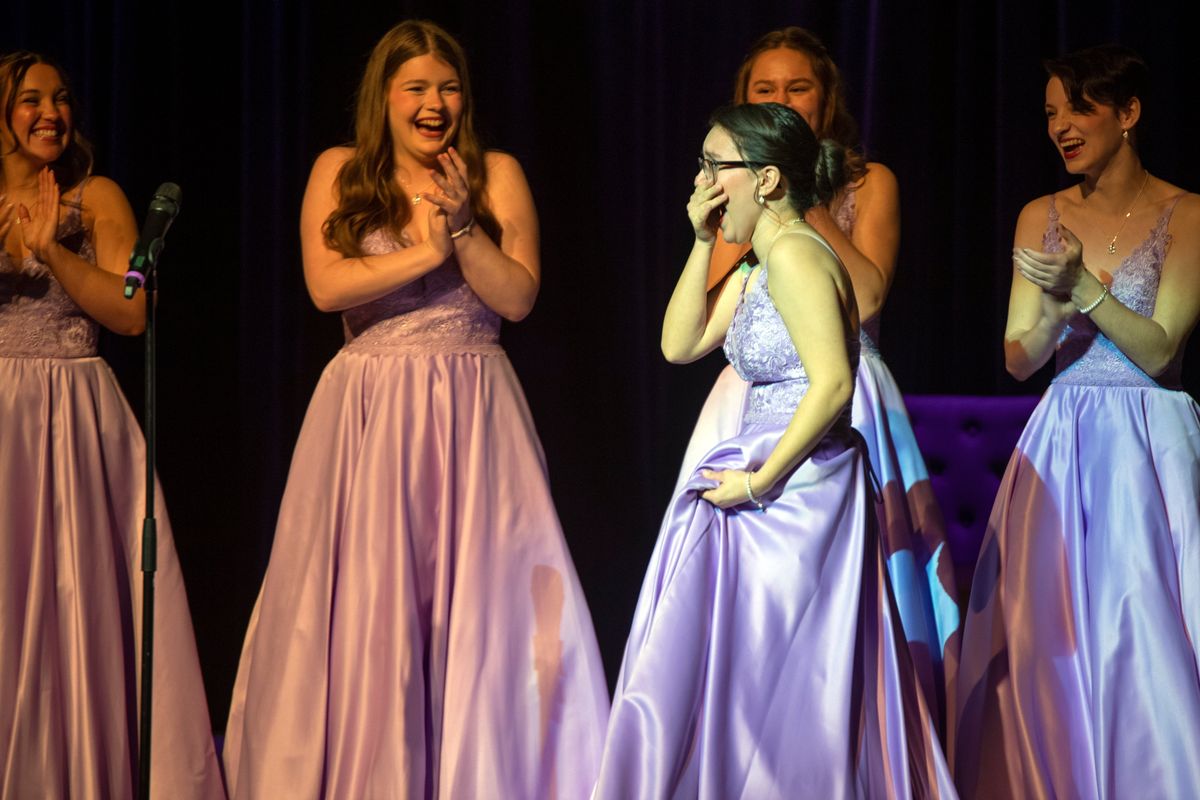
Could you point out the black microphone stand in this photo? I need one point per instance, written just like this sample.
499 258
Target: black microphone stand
149 530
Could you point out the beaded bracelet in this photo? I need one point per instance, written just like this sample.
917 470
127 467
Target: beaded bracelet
750 494
464 230
1090 307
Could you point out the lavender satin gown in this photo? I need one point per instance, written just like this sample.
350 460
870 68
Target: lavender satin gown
913 532
71 465
765 658
1081 651
421 632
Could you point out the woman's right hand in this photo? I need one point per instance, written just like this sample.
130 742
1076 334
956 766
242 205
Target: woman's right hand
439 233
704 209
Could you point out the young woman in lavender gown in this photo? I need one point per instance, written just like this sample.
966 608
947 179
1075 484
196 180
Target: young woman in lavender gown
861 222
1081 650
420 632
765 659
71 461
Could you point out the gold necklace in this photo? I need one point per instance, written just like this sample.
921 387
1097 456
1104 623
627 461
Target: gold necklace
1112 243
415 197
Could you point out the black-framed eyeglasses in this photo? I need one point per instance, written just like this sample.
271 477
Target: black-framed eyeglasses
711 167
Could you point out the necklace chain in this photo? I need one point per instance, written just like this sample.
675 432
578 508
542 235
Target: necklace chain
415 197
1112 243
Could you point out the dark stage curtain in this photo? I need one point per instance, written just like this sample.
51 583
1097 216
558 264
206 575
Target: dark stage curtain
605 105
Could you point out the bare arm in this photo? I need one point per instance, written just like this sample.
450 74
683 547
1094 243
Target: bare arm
1150 342
805 291
870 253
337 282
1036 318
508 275
97 288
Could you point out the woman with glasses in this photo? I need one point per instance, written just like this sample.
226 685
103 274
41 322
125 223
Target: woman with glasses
862 224
764 657
1081 650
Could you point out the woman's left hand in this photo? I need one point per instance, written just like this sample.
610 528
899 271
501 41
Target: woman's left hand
731 490
1055 273
455 196
39 226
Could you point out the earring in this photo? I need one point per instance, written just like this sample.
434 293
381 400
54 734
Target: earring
758 198
1125 135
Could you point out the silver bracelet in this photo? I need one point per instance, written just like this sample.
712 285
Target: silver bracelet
750 494
464 230
1090 307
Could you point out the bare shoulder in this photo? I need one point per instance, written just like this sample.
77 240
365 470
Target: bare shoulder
101 194
801 255
503 168
878 178
331 160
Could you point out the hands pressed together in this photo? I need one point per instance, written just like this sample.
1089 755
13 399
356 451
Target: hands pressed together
450 212
1060 275
39 225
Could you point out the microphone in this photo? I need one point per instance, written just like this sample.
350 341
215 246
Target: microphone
163 210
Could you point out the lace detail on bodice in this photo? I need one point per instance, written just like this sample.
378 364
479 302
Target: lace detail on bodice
1085 356
436 313
38 319
760 349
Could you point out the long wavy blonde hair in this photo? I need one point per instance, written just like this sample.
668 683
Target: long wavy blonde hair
368 195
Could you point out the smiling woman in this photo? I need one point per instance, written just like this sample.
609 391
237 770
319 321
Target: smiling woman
70 517
1087 582
421 631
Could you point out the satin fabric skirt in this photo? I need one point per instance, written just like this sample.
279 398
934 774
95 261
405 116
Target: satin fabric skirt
72 459
765 658
1081 653
913 533
420 632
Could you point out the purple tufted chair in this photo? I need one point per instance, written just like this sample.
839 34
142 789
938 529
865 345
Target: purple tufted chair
966 442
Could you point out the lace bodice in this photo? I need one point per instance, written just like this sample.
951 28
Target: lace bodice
38 319
760 349
435 313
1085 355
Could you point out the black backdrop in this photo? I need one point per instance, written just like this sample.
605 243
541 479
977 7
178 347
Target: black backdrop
604 104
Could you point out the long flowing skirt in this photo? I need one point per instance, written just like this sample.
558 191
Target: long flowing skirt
1080 668
913 533
420 631
71 464
765 658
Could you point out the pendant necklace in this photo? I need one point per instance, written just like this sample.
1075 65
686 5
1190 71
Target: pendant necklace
415 197
1112 243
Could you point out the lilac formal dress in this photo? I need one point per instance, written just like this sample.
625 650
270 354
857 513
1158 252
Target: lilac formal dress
1081 651
766 659
72 462
421 632
913 533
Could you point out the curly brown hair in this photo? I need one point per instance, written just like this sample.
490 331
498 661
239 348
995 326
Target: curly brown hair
368 195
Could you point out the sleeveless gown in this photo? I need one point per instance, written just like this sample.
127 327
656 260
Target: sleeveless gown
765 658
1081 651
912 529
421 631
72 459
